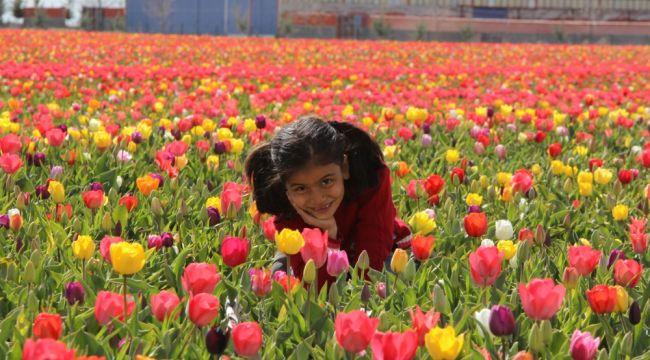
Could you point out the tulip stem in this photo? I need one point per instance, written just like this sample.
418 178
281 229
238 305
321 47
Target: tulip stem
608 331
83 270
126 306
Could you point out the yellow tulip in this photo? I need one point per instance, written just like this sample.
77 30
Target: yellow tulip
622 299
586 188
83 247
557 167
127 258
422 223
504 178
102 139
452 155
390 151
57 191
214 202
473 199
603 176
619 212
508 248
585 176
399 260
237 146
443 344
289 241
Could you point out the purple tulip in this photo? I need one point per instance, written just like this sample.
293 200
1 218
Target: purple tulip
502 322
615 255
260 121
55 171
501 151
167 239
161 181
474 209
38 159
634 313
426 128
426 140
219 147
136 137
4 221
94 186
213 215
74 293
216 340
41 192
154 241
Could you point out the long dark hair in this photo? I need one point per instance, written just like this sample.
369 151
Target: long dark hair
310 140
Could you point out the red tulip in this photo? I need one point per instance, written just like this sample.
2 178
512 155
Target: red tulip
433 185
485 265
202 309
625 176
638 237
315 247
105 246
129 201
354 330
595 163
286 280
231 197
55 137
541 298
48 326
422 246
522 180
10 163
42 349
555 149
645 158
476 224
261 281
627 272
234 250
268 227
394 345
247 338
177 148
109 305
584 259
200 278
10 144
602 298
163 304
93 198
458 173
422 322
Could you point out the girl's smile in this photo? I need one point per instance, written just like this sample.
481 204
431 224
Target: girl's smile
318 190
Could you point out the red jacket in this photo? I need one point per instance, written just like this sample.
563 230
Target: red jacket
364 223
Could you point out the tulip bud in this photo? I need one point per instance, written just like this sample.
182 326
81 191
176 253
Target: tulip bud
107 223
11 273
381 290
36 257
156 206
547 331
365 294
29 275
634 314
610 201
535 341
568 186
617 188
409 272
501 151
74 293
523 251
479 149
491 193
183 209
626 344
502 321
309 272
567 221
540 235
333 295
570 277
363 262
439 299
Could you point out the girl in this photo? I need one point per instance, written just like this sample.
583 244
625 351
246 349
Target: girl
329 175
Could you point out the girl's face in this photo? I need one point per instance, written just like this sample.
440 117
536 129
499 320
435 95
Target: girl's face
318 189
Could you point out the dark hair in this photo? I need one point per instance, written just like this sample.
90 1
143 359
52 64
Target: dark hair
310 140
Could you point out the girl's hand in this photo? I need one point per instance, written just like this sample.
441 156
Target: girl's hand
328 224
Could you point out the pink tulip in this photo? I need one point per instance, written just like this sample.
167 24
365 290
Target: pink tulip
315 247
541 298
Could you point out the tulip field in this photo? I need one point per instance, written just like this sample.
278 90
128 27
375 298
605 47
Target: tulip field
128 231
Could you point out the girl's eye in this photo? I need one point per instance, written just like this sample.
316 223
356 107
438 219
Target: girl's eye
328 181
299 189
